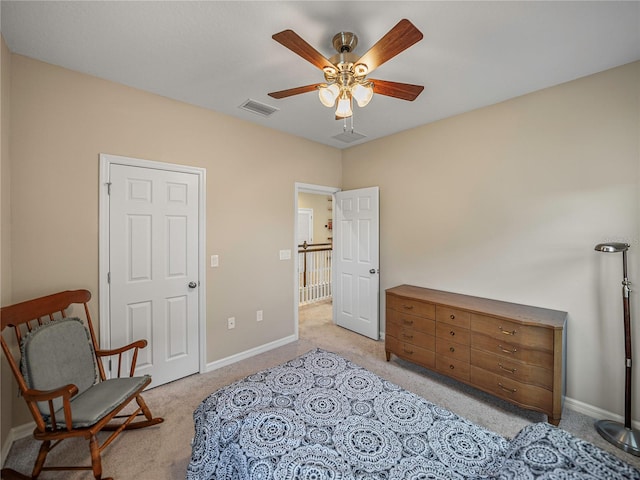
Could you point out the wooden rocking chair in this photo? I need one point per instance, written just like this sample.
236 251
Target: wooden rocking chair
61 377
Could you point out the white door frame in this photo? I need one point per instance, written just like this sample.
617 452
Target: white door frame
106 161
304 188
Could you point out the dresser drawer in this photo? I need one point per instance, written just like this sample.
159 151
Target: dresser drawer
538 338
414 322
453 350
529 396
413 353
522 372
453 316
409 335
452 333
413 307
503 348
453 368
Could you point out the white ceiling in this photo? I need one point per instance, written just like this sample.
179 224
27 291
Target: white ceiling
218 54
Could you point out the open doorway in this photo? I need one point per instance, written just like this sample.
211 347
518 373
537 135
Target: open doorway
315 247
355 287
314 255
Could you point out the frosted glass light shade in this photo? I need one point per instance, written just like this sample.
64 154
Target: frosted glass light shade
328 94
362 94
344 107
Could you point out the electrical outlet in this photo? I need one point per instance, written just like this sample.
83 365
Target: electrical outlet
259 316
231 322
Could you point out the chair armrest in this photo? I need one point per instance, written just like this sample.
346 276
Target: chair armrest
64 393
117 351
135 346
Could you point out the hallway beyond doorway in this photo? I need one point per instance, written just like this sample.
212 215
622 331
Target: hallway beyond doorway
315 314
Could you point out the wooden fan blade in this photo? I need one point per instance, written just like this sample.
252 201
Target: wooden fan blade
403 91
295 91
398 39
296 44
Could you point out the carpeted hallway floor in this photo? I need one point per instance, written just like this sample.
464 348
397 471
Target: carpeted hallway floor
163 452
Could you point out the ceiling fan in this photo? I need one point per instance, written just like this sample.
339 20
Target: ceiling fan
345 73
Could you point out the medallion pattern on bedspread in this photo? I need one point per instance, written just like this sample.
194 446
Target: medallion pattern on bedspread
320 416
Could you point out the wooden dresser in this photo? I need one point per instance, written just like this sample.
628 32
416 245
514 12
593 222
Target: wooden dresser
515 352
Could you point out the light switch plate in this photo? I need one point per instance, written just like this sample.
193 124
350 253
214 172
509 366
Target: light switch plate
285 254
215 260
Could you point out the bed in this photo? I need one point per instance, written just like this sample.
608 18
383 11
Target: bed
320 416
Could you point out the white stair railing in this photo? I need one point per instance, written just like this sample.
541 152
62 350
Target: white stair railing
314 264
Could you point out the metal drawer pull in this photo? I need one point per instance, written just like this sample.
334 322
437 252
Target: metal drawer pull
507 332
407 336
451 367
452 316
512 351
451 349
452 333
408 352
407 322
407 307
510 390
510 370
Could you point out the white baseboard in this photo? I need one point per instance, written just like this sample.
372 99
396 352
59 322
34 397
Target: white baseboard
6 446
249 353
16 433
595 412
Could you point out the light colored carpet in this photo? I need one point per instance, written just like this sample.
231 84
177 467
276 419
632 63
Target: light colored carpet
162 452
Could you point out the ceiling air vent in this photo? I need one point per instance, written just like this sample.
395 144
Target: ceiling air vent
349 136
258 108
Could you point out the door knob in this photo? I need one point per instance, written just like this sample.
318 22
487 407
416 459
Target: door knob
373 270
193 284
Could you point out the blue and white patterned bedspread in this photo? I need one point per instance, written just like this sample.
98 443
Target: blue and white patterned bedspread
320 416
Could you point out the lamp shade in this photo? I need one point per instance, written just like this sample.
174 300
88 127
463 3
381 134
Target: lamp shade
362 94
329 94
344 107
612 247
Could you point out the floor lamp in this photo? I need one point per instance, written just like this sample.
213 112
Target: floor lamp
622 436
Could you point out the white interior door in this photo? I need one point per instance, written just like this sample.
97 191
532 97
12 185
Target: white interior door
356 250
153 265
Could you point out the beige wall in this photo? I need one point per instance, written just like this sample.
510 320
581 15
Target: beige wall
62 121
508 202
321 206
5 232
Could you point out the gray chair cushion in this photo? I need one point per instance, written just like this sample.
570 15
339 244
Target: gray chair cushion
101 399
56 354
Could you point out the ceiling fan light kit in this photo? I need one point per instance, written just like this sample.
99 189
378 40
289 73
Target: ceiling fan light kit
346 81
345 73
